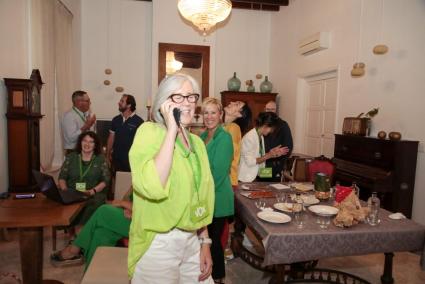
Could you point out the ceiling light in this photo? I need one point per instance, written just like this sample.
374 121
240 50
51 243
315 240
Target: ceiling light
204 14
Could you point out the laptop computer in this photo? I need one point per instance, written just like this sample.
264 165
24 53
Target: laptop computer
48 187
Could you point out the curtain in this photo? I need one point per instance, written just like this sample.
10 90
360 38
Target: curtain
64 71
51 52
42 55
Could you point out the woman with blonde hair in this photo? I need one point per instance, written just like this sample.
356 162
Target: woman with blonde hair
173 198
220 155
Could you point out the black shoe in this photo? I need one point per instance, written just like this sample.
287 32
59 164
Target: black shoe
58 261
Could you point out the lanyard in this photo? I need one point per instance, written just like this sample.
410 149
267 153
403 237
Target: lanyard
193 162
261 151
82 175
79 114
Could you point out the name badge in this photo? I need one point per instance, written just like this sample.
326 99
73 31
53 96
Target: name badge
198 211
80 186
265 173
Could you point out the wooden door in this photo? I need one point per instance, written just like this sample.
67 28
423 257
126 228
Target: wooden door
320 117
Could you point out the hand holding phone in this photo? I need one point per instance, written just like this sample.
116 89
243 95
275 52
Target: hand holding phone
176 114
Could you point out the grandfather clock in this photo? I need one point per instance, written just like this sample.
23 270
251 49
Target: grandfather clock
23 131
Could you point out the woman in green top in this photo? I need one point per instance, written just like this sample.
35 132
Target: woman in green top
220 155
86 170
173 199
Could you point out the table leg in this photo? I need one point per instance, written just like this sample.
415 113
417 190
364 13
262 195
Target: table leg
31 249
387 277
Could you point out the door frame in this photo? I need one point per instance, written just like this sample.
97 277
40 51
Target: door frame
302 98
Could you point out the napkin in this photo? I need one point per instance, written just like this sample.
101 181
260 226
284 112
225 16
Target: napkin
341 192
280 186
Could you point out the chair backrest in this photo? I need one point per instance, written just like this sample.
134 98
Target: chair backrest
321 165
122 184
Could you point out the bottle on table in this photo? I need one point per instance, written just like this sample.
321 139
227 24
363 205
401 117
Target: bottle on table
373 204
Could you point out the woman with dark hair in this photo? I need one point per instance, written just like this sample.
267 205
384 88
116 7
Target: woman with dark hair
85 170
253 154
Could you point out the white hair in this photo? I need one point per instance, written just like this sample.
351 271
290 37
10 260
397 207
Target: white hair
167 87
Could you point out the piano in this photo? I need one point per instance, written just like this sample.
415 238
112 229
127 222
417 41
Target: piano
385 166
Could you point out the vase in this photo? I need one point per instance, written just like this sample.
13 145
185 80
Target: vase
234 84
266 86
250 88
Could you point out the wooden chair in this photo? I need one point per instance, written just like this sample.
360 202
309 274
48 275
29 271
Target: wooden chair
323 165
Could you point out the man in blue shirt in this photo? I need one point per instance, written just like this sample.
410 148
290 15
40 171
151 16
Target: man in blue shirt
121 134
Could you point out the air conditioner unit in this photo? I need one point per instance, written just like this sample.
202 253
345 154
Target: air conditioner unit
314 43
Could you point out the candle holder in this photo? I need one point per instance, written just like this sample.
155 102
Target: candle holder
149 113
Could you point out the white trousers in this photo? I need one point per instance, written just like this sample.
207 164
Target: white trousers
172 258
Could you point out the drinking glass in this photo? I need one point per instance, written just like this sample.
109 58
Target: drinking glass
260 203
280 197
323 221
299 214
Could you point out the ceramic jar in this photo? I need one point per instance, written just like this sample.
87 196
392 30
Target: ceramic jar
266 86
234 84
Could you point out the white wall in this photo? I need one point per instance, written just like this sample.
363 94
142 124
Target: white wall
14 50
117 35
393 82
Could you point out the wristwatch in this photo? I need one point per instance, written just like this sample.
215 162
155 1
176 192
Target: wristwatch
205 240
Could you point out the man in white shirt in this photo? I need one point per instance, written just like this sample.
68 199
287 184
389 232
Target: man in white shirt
77 120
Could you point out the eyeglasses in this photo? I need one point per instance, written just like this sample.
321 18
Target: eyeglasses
179 98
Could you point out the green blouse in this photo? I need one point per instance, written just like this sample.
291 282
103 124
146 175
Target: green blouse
220 156
157 208
97 173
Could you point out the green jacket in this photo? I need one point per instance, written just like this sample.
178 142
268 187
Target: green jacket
220 156
157 208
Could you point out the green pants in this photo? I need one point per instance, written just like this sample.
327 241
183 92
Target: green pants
105 227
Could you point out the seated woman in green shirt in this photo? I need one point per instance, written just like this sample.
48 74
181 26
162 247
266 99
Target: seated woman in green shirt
173 199
220 155
86 170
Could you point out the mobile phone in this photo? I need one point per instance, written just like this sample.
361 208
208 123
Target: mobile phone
25 196
177 113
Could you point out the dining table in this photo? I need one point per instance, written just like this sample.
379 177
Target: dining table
284 244
30 216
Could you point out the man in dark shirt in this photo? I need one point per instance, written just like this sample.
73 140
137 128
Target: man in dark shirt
281 136
121 134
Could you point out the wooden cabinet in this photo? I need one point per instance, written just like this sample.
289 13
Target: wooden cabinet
23 131
385 166
255 101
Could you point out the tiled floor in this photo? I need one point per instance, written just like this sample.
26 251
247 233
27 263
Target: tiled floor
370 267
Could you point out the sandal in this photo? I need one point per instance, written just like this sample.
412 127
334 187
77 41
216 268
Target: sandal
57 260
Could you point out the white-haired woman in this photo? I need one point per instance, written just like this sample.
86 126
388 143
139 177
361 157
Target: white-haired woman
173 192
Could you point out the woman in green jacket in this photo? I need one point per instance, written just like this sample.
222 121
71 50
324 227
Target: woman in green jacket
220 155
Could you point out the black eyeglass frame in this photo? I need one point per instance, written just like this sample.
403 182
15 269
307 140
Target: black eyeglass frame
179 98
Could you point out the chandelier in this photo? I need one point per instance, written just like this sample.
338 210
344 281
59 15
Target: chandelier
204 14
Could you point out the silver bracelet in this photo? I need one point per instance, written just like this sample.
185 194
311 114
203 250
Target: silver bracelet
205 240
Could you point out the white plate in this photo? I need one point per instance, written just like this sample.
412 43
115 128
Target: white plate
309 200
274 217
286 207
303 186
280 186
324 210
